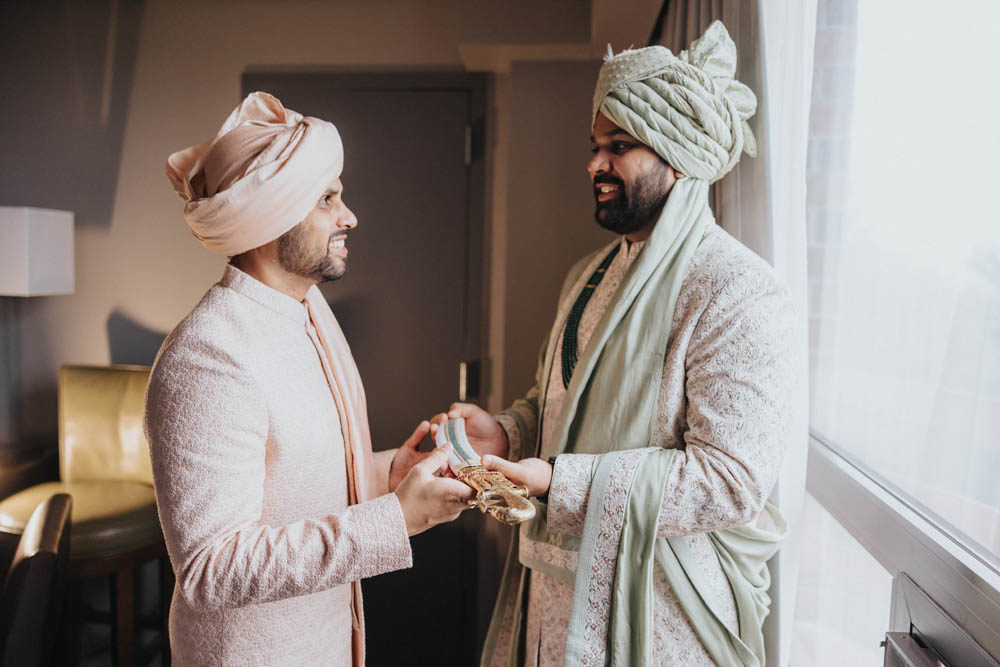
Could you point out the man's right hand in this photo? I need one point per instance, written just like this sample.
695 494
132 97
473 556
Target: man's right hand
485 435
428 500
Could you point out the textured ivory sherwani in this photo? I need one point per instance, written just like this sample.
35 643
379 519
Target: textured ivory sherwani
249 467
723 400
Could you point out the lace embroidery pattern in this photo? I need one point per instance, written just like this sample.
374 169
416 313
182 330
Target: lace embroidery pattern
674 639
602 574
550 601
723 399
504 637
569 493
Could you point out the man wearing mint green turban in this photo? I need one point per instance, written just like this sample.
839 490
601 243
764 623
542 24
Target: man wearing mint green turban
656 427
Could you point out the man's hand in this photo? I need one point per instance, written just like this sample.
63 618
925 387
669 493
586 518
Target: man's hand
533 474
428 500
407 456
485 435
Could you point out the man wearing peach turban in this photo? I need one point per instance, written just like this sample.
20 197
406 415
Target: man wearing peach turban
656 427
272 503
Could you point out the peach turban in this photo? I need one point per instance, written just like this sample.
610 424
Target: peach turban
259 177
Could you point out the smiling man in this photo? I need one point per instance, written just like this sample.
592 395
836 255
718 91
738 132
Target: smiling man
630 195
272 503
656 427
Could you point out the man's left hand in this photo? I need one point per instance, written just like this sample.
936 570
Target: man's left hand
408 456
533 474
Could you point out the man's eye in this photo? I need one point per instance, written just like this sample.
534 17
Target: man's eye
621 147
325 200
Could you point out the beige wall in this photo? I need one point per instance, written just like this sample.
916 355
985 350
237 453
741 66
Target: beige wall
143 266
550 205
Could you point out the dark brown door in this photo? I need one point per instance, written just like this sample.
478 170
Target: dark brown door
410 306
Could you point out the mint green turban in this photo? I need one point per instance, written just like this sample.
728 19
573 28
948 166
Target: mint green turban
688 108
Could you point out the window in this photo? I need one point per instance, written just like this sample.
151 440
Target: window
905 250
904 278
843 596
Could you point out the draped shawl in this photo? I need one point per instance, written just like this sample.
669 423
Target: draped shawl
349 395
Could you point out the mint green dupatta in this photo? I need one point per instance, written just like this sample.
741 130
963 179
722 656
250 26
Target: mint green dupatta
743 553
610 410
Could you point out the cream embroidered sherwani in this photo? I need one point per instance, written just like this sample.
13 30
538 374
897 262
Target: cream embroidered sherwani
251 483
723 400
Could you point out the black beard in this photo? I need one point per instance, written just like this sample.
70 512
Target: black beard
294 257
634 208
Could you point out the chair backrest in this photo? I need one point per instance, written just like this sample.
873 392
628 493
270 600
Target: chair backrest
101 412
32 597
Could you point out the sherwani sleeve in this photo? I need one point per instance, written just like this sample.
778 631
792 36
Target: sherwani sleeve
737 377
207 428
520 423
520 420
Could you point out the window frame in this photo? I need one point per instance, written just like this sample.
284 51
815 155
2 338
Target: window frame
913 543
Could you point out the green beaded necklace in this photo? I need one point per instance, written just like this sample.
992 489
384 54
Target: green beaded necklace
569 357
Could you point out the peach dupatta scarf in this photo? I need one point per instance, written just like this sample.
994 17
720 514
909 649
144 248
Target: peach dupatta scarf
349 394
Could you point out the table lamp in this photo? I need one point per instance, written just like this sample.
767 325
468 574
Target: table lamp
36 251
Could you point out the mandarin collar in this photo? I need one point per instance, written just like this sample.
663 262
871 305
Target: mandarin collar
270 298
631 250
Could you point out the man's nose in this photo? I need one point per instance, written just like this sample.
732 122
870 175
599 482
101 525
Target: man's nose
348 220
598 164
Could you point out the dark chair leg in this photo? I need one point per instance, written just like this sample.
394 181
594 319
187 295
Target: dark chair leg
68 652
166 594
123 622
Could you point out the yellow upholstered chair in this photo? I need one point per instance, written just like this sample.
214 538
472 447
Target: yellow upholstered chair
104 465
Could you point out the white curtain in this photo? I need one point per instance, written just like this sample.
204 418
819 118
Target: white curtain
763 204
786 33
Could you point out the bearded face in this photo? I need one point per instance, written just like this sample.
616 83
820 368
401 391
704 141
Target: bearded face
316 248
634 205
300 253
631 182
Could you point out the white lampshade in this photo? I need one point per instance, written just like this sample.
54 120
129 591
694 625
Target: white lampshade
36 251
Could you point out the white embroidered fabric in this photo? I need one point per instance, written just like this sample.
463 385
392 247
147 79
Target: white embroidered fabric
723 400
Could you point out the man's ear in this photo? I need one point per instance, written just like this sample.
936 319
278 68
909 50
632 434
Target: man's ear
673 170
